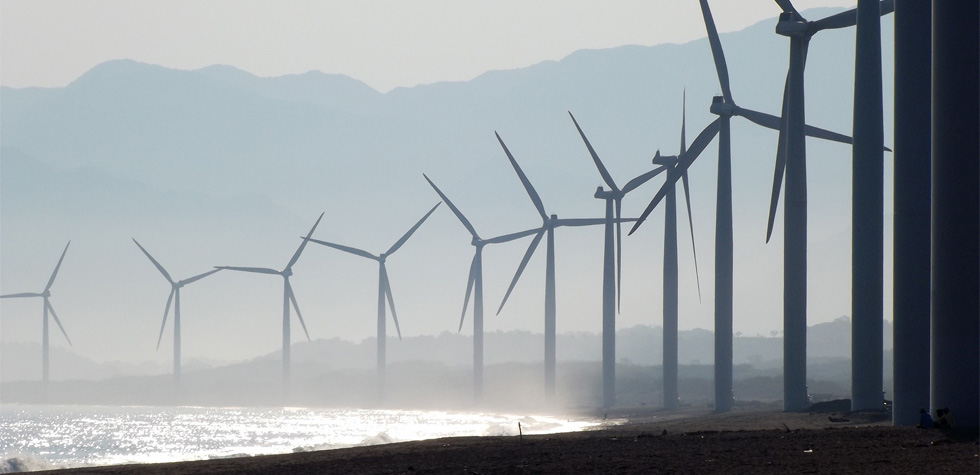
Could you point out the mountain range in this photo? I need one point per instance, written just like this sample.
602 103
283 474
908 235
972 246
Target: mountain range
427 370
219 167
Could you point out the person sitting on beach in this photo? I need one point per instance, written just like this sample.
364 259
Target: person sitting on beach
925 420
946 420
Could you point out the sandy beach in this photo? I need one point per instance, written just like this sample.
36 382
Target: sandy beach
757 438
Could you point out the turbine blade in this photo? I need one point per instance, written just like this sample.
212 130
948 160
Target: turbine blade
886 7
302 245
619 254
843 19
690 222
469 288
20 295
780 169
806 50
787 6
391 300
606 177
257 270
636 182
775 123
697 146
55 273
768 121
411 231
527 184
684 162
155 263
777 183
819 133
684 123
341 247
166 312
578 222
719 55
848 18
198 277
292 299
520 268
455 210
513 236
57 320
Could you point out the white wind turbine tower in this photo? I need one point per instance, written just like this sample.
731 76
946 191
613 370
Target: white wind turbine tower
474 285
174 298
548 225
384 289
725 108
611 269
45 295
287 297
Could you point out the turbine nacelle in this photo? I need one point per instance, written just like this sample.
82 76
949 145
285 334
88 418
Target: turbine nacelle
720 107
793 25
552 221
665 160
286 272
602 194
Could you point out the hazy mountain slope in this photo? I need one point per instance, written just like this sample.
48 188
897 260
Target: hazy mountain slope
217 167
639 345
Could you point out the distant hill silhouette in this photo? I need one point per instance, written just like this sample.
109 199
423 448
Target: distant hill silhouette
638 345
219 167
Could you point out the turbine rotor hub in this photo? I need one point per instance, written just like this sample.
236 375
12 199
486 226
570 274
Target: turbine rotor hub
722 108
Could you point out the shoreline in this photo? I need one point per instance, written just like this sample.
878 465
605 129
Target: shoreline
754 439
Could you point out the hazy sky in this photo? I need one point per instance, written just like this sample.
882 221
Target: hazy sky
386 43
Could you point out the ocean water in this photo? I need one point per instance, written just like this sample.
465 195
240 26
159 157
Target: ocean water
47 437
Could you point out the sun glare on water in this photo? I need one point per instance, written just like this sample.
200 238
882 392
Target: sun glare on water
39 437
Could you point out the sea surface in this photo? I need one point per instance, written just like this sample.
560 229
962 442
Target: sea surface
48 437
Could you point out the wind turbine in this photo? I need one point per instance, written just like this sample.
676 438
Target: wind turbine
791 162
670 279
611 270
287 297
724 106
45 295
384 288
548 225
799 30
474 285
175 299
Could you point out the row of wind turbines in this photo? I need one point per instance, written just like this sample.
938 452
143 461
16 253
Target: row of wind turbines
385 299
790 166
